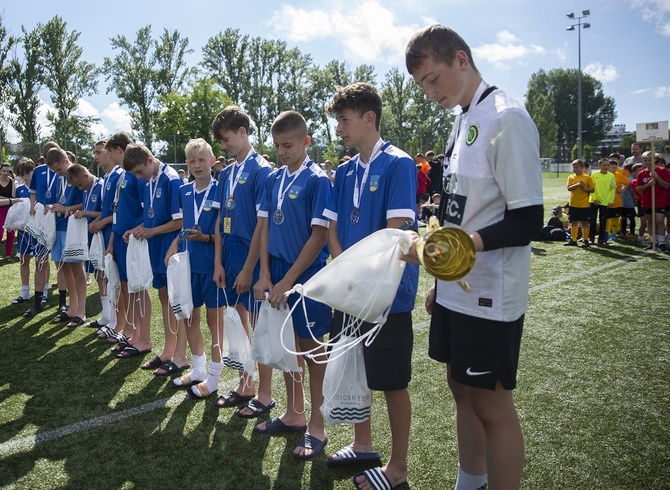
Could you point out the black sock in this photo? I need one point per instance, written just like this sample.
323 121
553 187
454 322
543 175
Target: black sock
38 299
62 298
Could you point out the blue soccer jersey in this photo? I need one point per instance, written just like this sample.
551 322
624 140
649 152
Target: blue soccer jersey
22 191
109 194
303 197
243 185
128 212
72 196
203 205
160 202
91 198
44 184
388 191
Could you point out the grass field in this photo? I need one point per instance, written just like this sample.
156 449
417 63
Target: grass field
593 395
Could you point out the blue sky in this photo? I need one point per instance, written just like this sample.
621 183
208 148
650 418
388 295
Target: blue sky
627 46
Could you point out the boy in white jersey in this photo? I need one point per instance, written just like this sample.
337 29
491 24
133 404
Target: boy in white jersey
237 242
293 249
492 190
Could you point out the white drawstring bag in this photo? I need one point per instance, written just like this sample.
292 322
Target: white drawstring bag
18 215
96 253
236 349
76 240
113 279
346 396
270 337
362 281
180 295
33 225
138 265
47 235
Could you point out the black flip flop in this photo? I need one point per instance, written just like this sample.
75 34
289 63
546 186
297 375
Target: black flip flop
171 368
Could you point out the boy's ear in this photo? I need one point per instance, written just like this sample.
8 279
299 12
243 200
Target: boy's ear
308 141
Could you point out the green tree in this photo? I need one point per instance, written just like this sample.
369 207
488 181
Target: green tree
24 85
143 71
587 153
67 77
560 85
541 110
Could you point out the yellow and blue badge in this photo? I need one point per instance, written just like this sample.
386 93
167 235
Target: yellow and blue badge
374 183
243 177
124 182
159 192
294 191
208 205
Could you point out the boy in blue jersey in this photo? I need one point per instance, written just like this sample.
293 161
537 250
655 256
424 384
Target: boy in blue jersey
107 324
374 190
237 242
26 242
91 187
69 201
293 249
127 214
200 210
43 189
162 219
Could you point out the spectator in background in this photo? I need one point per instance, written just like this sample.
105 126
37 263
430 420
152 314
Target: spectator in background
424 182
71 156
421 160
8 190
218 166
434 173
182 175
330 173
636 150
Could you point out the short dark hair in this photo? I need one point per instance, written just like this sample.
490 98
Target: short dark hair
360 97
48 146
437 42
232 118
134 155
289 122
119 140
56 155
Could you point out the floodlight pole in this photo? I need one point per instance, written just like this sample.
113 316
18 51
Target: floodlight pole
586 25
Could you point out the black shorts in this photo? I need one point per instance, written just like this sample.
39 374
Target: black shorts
579 214
614 212
481 352
628 212
388 359
647 211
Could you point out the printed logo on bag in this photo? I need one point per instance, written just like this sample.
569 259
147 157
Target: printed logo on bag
243 177
159 193
471 136
294 191
374 183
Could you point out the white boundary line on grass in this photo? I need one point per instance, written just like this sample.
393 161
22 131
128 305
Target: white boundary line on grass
29 443
626 261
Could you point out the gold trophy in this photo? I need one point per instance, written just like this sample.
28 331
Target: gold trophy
447 253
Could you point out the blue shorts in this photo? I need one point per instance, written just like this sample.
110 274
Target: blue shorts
59 246
319 315
160 280
26 243
205 292
120 253
235 253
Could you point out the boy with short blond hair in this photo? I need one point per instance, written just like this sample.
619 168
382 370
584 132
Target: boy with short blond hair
376 189
161 220
293 249
197 202
237 242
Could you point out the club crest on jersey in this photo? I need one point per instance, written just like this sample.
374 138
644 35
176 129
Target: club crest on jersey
159 193
374 183
294 191
243 177
471 136
208 205
124 183
94 198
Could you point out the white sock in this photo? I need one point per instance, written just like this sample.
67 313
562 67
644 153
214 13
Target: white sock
466 481
46 291
112 314
199 369
212 381
104 319
25 292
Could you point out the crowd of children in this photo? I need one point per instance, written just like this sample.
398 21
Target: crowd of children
606 202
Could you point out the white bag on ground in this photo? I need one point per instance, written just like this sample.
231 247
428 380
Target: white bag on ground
33 224
96 253
113 279
179 285
270 337
236 349
17 215
76 240
138 265
346 396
